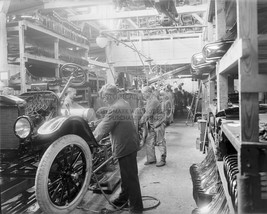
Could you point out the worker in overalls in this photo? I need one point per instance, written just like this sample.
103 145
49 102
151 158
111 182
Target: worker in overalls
154 118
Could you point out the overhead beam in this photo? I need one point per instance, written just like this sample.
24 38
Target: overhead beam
25 10
137 13
53 4
164 36
155 28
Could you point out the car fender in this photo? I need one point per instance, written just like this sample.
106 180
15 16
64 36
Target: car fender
51 126
63 125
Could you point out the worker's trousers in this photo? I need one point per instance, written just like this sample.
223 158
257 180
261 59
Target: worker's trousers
156 137
130 187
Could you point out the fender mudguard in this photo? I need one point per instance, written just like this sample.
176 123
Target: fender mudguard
62 125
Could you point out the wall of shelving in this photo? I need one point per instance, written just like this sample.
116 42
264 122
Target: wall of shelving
37 50
34 45
242 68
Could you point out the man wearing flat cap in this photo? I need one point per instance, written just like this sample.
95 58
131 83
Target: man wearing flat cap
154 117
118 121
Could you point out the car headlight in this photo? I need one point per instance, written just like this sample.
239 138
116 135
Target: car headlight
23 127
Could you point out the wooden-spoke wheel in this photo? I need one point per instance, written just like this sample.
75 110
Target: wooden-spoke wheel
63 175
75 71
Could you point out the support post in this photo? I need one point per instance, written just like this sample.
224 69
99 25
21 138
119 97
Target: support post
4 5
23 87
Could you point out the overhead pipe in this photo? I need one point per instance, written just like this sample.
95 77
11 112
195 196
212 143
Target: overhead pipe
169 73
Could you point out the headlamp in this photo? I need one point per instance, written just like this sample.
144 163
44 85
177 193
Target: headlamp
23 127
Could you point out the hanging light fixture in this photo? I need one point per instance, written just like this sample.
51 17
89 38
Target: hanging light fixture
102 41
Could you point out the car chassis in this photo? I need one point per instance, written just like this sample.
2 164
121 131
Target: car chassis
57 153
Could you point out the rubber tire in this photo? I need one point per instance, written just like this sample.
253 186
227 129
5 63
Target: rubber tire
41 179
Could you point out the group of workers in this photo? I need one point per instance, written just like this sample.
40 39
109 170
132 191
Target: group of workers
120 122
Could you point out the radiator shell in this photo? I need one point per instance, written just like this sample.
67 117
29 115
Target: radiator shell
10 109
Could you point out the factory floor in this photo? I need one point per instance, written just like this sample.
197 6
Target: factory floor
170 184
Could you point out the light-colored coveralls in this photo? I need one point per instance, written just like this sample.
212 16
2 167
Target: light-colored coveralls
155 119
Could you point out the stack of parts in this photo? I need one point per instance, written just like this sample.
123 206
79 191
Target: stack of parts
207 188
205 61
218 205
231 171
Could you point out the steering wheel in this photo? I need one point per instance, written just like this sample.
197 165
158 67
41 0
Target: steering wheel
71 70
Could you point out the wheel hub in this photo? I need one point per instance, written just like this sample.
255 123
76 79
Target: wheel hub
74 176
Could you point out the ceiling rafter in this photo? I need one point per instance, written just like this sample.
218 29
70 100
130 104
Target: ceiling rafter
155 28
55 4
137 13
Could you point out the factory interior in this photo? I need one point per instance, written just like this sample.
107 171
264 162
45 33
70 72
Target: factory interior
133 106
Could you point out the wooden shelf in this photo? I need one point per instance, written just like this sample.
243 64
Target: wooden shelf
45 32
39 59
24 31
43 59
231 128
244 60
228 63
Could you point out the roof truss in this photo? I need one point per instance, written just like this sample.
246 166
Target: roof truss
137 13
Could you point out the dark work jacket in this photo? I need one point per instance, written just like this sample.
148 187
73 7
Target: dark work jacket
119 123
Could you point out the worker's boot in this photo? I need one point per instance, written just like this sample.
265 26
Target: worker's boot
162 161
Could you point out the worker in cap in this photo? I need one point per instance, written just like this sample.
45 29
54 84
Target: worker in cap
160 131
118 122
154 119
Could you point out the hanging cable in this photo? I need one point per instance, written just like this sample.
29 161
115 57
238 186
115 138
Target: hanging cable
141 62
106 211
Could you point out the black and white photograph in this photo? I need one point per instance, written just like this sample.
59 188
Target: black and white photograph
133 106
